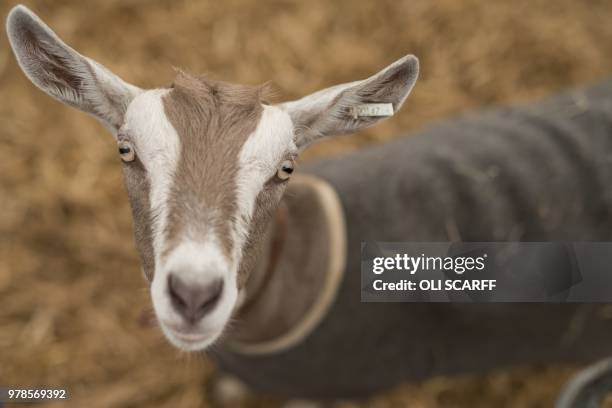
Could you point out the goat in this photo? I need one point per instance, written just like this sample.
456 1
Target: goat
223 236
206 164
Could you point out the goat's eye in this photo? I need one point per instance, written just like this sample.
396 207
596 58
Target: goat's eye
126 152
285 170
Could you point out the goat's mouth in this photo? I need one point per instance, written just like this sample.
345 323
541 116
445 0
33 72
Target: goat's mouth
189 340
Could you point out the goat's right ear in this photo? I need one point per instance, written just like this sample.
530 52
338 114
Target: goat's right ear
65 74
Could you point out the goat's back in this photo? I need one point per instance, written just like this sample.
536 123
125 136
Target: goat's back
536 173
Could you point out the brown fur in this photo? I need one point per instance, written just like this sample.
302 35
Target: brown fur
213 120
138 191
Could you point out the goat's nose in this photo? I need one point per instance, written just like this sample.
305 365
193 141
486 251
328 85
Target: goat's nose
193 301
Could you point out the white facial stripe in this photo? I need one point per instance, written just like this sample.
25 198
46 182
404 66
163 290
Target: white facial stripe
200 263
258 161
158 146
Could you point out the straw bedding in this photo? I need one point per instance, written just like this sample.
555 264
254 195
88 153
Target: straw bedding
73 302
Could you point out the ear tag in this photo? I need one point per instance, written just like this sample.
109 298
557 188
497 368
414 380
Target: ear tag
372 109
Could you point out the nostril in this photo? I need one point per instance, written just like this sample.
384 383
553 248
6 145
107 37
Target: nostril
176 290
211 294
193 301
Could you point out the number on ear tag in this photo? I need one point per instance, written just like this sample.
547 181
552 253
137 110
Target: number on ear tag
372 109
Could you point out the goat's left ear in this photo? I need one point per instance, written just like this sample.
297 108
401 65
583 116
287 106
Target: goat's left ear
350 107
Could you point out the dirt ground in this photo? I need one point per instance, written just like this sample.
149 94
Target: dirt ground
71 291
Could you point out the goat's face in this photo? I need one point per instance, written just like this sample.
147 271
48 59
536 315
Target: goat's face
205 165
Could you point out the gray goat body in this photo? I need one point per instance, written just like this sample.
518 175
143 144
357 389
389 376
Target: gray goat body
541 172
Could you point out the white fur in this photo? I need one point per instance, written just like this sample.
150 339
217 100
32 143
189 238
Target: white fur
157 144
259 160
318 101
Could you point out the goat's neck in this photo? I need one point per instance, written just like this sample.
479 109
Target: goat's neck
269 253
291 268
